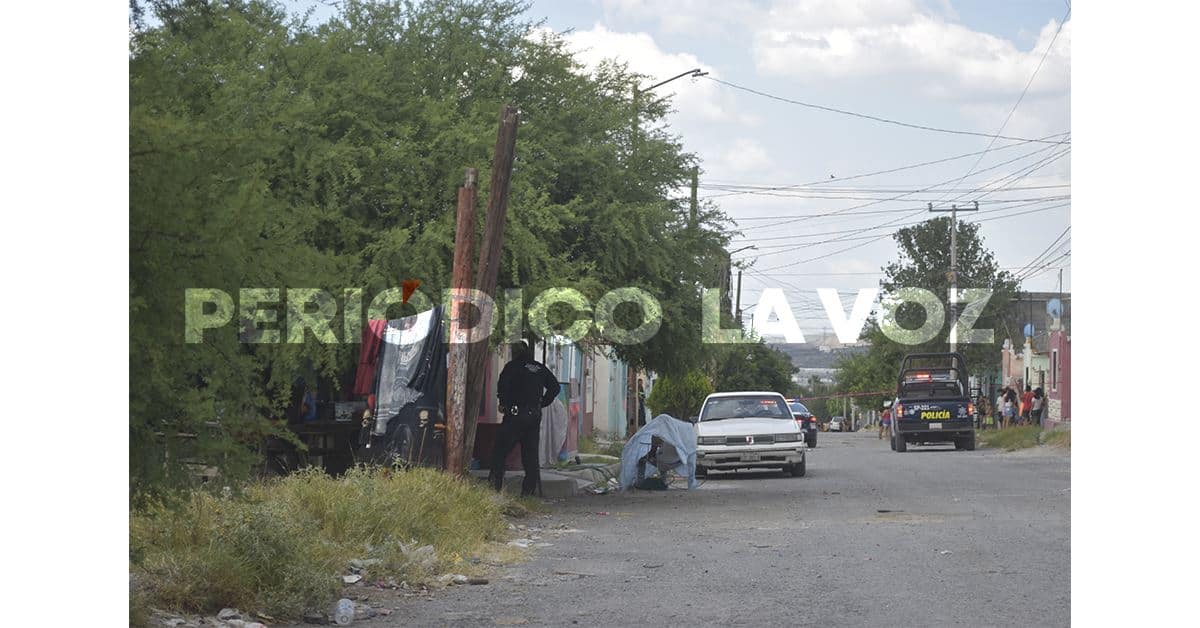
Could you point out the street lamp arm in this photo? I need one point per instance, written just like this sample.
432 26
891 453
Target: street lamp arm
695 72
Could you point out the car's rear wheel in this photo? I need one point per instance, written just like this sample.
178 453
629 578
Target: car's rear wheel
811 441
969 443
901 444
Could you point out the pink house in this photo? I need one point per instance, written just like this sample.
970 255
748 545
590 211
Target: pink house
1058 386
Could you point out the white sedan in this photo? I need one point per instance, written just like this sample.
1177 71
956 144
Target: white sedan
748 430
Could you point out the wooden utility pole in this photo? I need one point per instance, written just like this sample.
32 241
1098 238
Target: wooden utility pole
456 369
489 262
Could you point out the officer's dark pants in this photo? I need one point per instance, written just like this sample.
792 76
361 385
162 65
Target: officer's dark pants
521 429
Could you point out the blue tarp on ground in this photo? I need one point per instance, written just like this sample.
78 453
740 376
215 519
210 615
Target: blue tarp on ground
678 452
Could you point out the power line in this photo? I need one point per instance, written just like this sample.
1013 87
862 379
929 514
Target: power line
896 197
873 212
871 117
886 235
1022 96
1028 272
897 169
1046 250
862 229
892 222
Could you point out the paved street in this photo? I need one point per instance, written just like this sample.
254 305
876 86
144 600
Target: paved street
932 537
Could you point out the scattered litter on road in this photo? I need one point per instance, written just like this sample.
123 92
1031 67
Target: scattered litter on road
945 552
343 612
561 572
601 513
352 578
477 580
652 565
759 546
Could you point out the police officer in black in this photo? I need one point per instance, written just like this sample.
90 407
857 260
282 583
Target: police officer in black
525 387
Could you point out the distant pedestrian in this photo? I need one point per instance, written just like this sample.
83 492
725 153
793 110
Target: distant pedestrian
985 413
1027 405
1010 407
525 387
1039 405
885 421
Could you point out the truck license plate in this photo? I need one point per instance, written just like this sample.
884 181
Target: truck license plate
935 426
751 457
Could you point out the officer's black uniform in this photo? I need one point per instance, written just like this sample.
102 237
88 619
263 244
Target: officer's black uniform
525 387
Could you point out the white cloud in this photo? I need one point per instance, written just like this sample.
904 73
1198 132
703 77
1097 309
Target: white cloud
742 157
694 98
838 40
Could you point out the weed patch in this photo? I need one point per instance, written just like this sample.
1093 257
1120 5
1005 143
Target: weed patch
280 546
1012 438
593 445
1058 438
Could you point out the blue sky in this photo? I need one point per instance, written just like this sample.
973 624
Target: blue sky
956 65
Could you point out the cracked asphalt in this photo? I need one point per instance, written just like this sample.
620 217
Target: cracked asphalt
870 537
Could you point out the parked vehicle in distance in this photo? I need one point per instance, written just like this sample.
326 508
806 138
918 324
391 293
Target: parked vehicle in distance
808 422
748 430
933 404
836 424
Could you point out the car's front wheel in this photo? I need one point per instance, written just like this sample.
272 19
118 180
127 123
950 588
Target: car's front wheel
798 470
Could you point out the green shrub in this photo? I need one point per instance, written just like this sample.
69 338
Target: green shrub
280 546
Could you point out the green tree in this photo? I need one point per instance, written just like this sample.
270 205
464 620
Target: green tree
924 262
270 151
679 396
753 366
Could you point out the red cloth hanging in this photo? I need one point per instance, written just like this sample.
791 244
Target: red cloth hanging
368 356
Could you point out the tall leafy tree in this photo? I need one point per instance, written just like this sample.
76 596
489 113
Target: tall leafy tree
924 262
270 151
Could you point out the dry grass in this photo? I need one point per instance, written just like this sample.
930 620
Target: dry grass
1011 438
1058 438
280 547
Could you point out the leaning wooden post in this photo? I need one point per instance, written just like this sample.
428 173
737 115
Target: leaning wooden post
489 262
456 369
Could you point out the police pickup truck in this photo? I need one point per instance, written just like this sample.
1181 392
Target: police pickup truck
932 402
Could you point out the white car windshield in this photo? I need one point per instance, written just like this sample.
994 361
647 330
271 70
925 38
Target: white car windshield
745 407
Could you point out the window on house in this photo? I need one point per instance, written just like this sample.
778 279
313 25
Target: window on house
1054 370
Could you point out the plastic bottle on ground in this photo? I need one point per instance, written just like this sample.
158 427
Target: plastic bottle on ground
343 613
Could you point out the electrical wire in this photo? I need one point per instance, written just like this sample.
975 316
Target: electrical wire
1038 258
1020 98
868 116
897 169
893 198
